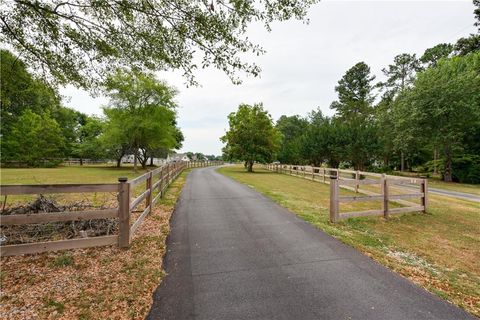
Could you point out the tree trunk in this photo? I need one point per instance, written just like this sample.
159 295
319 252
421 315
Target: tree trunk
447 175
81 161
245 164
435 158
250 166
119 162
151 161
143 162
135 156
402 161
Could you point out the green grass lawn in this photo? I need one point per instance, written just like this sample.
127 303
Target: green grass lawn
68 174
439 250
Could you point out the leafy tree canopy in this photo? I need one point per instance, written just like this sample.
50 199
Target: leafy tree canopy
82 41
251 136
292 129
401 73
33 138
354 90
431 56
141 116
445 103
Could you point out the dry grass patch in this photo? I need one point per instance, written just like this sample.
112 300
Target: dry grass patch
96 283
439 251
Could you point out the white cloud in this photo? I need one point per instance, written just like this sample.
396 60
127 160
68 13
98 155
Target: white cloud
304 62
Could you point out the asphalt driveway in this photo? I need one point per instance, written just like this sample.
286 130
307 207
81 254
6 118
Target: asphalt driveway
234 254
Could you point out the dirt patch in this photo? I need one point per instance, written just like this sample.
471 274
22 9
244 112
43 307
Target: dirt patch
412 260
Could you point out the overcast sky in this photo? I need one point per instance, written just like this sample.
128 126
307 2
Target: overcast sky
303 62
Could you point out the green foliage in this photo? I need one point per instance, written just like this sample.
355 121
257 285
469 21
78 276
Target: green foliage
324 141
435 111
355 93
25 100
200 156
443 105
467 45
251 136
83 41
21 91
292 129
89 143
63 260
465 169
141 116
32 138
353 127
54 304
476 12
401 74
431 56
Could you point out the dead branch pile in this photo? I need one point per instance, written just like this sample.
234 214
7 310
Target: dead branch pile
17 234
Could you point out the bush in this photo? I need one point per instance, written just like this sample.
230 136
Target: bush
465 169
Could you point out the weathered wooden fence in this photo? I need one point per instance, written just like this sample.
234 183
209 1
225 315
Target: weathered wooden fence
353 179
156 181
199 164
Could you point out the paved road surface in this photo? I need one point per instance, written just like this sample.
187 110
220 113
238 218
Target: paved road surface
454 194
234 254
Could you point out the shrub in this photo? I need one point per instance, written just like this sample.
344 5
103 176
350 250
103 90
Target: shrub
465 169
63 260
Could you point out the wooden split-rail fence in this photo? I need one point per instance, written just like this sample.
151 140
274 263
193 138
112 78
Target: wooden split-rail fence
404 188
156 182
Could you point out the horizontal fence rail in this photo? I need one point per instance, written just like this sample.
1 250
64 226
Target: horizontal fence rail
156 181
352 180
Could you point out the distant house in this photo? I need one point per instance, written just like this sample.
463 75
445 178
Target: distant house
128 158
176 157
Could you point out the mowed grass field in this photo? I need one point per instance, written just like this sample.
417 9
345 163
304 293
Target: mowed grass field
66 175
439 250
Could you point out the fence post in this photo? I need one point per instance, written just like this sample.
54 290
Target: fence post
357 176
313 173
324 173
160 185
424 190
148 198
123 213
384 187
334 216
